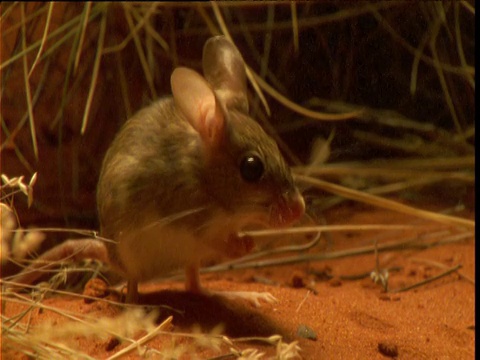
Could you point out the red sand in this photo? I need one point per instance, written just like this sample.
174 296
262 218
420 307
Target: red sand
352 319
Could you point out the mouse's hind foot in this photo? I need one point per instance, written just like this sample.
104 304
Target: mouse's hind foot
253 297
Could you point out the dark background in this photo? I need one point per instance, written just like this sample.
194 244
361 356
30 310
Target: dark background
357 53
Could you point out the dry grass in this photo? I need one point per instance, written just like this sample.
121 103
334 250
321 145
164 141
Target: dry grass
360 79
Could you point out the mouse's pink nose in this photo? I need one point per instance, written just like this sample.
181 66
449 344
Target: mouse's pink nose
289 207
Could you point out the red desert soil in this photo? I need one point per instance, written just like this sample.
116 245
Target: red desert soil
351 318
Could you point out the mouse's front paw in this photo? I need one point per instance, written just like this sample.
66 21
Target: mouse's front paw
251 296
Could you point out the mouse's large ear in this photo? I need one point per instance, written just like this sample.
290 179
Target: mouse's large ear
224 69
195 99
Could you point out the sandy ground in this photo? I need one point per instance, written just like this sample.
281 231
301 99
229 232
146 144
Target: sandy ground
347 316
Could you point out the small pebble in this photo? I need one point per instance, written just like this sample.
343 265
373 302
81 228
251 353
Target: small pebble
335 282
386 297
112 343
305 332
388 349
323 274
297 281
95 288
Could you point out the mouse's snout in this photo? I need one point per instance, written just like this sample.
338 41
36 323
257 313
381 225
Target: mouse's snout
288 208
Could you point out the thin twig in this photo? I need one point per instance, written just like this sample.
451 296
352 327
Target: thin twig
28 93
385 203
300 109
96 67
395 246
44 38
442 266
318 229
143 340
303 301
427 281
86 14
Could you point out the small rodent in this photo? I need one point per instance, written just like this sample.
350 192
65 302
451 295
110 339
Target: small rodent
184 175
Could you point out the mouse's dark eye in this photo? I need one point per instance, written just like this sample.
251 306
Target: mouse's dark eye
251 168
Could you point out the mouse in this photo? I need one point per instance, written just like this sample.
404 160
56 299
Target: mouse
185 175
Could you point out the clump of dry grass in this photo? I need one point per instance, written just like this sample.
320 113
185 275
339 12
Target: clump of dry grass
16 243
133 327
85 38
